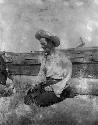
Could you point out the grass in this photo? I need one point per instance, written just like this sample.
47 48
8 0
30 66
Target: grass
74 111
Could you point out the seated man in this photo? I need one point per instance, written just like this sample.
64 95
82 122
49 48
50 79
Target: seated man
54 75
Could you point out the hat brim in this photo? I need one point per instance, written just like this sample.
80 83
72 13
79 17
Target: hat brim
44 34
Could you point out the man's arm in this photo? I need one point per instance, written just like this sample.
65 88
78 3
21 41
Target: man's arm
67 72
41 75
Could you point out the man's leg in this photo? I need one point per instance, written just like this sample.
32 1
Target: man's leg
41 98
67 93
46 99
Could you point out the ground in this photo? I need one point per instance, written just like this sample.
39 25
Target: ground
80 110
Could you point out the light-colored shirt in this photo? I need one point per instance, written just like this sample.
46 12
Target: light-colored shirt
56 66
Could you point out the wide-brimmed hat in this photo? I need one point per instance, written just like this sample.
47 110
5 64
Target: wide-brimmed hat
45 34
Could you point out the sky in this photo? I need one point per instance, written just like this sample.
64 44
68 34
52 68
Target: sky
70 20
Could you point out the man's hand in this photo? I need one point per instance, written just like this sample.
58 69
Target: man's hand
57 90
48 88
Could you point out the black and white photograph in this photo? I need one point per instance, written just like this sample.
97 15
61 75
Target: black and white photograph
48 62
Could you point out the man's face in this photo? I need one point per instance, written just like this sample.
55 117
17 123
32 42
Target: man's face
46 45
43 43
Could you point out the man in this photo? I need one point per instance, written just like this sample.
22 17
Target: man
55 72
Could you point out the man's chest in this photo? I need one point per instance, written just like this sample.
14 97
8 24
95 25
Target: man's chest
53 66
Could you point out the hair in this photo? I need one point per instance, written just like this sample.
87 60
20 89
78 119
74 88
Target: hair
49 40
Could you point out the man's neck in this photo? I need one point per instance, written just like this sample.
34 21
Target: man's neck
50 52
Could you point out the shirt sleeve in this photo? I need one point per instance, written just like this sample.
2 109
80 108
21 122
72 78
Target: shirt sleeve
66 66
41 75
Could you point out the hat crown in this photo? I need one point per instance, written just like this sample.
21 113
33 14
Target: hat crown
45 34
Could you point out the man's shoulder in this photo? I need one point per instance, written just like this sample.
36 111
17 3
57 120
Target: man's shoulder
62 55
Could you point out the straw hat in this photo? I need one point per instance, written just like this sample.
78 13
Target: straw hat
45 34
